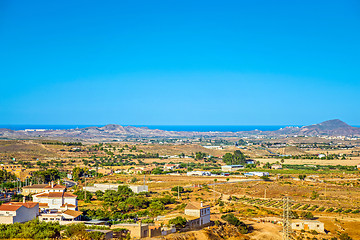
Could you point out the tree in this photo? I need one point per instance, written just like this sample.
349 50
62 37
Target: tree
232 159
81 195
134 180
267 165
306 215
231 219
177 188
99 194
200 155
302 177
125 190
78 172
47 175
314 195
179 222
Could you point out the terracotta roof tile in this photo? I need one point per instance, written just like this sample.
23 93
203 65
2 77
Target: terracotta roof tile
36 186
9 207
67 204
73 213
195 205
13 206
56 195
56 186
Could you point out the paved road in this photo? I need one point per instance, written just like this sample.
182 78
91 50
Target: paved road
69 183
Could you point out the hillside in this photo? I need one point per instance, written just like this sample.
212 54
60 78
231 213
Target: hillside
112 131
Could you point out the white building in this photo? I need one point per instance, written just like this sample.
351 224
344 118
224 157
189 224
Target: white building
231 168
308 225
55 200
103 187
250 161
57 206
200 211
198 173
13 212
171 167
60 216
276 166
259 174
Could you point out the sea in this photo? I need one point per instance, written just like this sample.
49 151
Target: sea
192 128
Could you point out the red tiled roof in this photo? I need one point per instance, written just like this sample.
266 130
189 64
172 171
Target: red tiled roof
195 205
56 195
13 206
69 205
73 213
36 186
56 186
9 207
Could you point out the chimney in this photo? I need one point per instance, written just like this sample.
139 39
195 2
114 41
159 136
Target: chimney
24 199
52 184
202 204
58 181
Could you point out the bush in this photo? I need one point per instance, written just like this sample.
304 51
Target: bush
175 189
179 222
306 215
330 210
231 219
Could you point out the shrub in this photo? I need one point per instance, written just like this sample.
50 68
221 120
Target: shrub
307 215
231 219
179 222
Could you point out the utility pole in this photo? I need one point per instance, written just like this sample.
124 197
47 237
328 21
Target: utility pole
265 194
85 190
286 219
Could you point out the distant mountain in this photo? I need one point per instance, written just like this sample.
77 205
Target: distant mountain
112 131
334 127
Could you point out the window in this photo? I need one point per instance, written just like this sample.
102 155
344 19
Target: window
297 225
52 219
317 225
45 219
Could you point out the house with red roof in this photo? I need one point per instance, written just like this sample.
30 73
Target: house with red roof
13 212
39 188
56 200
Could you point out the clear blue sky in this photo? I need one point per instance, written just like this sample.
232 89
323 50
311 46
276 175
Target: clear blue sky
179 62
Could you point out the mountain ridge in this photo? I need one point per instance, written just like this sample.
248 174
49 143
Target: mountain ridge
333 127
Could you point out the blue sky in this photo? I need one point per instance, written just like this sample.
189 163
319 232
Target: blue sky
179 62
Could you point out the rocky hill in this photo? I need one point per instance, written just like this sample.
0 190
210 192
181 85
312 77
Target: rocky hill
334 127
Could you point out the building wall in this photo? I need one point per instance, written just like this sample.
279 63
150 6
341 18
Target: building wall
308 226
55 203
136 231
154 232
24 214
6 219
192 212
